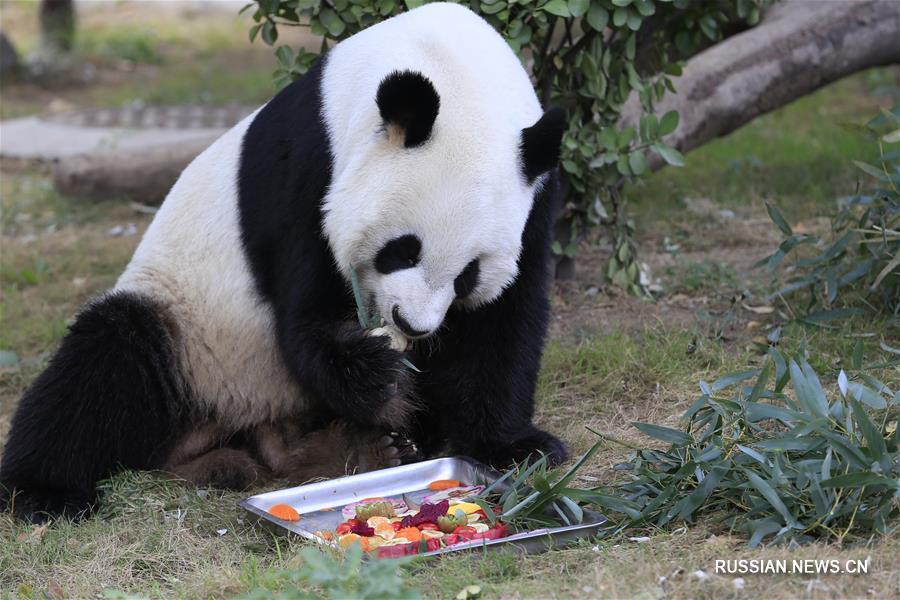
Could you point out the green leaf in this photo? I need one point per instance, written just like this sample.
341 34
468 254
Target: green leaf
620 17
668 123
362 312
835 314
772 497
753 454
733 378
873 437
332 22
613 503
608 138
253 31
866 396
869 169
487 508
515 509
670 155
269 32
778 219
666 434
637 162
762 528
560 8
696 498
577 512
756 411
411 4
858 479
597 17
284 55
809 392
578 7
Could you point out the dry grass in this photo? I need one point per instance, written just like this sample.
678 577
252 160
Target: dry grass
611 360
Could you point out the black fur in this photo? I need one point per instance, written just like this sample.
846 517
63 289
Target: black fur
467 280
477 388
109 399
352 374
408 99
399 253
541 144
479 382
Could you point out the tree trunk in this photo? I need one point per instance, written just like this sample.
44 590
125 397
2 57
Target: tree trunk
143 175
9 58
800 46
57 27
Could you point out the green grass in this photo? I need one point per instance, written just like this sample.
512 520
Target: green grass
189 59
693 276
159 538
798 156
124 43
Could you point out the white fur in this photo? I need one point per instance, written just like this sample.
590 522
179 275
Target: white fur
191 260
462 192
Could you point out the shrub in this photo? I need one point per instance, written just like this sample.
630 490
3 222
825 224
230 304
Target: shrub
587 56
778 466
857 269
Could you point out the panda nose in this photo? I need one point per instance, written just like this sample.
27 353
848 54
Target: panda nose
403 325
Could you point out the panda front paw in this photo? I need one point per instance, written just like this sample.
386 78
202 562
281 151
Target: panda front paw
375 386
531 444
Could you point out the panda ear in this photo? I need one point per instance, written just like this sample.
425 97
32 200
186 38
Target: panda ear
409 104
540 144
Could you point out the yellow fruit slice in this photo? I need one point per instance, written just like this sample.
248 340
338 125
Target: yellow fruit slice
376 521
385 530
466 507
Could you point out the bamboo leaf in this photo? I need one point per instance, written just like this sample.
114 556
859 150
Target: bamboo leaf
769 493
778 219
666 434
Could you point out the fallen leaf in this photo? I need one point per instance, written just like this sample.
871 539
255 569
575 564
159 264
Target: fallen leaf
55 590
34 535
759 310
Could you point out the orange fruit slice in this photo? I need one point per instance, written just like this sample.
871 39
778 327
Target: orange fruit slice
285 512
443 484
411 533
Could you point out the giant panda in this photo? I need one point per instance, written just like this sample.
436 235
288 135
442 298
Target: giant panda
413 156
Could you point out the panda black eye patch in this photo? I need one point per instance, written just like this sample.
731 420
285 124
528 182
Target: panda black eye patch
467 280
398 254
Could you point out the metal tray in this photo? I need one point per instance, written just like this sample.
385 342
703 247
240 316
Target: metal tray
319 504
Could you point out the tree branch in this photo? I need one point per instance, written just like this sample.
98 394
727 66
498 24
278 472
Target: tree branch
800 46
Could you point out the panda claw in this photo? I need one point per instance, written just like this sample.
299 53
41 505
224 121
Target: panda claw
397 340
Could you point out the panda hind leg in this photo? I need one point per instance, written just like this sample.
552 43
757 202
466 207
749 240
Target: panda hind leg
338 449
109 399
207 456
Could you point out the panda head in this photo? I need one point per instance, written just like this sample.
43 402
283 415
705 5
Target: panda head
430 206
